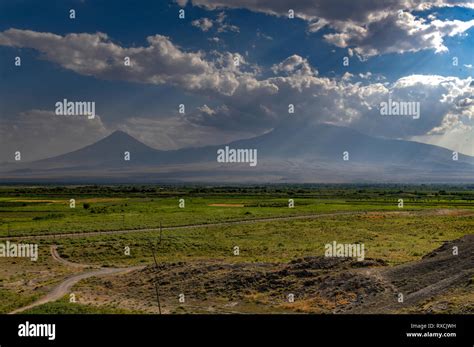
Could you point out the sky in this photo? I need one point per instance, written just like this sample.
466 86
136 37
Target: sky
236 66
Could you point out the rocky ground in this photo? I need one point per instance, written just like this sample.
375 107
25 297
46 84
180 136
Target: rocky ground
440 282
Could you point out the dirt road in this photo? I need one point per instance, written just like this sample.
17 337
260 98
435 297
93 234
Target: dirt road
65 286
57 257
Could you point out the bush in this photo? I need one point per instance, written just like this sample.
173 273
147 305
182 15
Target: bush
49 216
86 205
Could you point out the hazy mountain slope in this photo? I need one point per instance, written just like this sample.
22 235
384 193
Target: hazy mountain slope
292 151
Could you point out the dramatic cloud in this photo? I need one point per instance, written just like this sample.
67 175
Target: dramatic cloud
330 10
240 101
397 33
445 103
370 27
96 55
444 106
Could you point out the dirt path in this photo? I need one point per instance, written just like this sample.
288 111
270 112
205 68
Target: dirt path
193 226
57 257
65 286
436 273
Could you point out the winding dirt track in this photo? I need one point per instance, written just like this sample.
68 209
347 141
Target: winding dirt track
57 257
64 287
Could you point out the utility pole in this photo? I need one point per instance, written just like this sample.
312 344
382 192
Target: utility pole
157 289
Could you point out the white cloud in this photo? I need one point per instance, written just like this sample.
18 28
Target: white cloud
397 33
203 23
367 75
264 36
161 62
223 26
294 65
370 27
330 10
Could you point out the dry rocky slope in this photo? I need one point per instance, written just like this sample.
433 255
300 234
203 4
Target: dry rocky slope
319 285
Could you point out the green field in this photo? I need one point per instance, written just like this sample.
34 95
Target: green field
431 215
395 239
36 211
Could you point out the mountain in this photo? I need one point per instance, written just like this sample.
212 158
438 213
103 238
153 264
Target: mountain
293 152
108 151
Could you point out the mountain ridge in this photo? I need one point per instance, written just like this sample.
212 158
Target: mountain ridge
290 150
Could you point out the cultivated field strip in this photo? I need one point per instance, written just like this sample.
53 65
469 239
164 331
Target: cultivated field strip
191 226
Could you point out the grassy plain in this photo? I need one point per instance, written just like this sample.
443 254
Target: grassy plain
430 216
33 211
